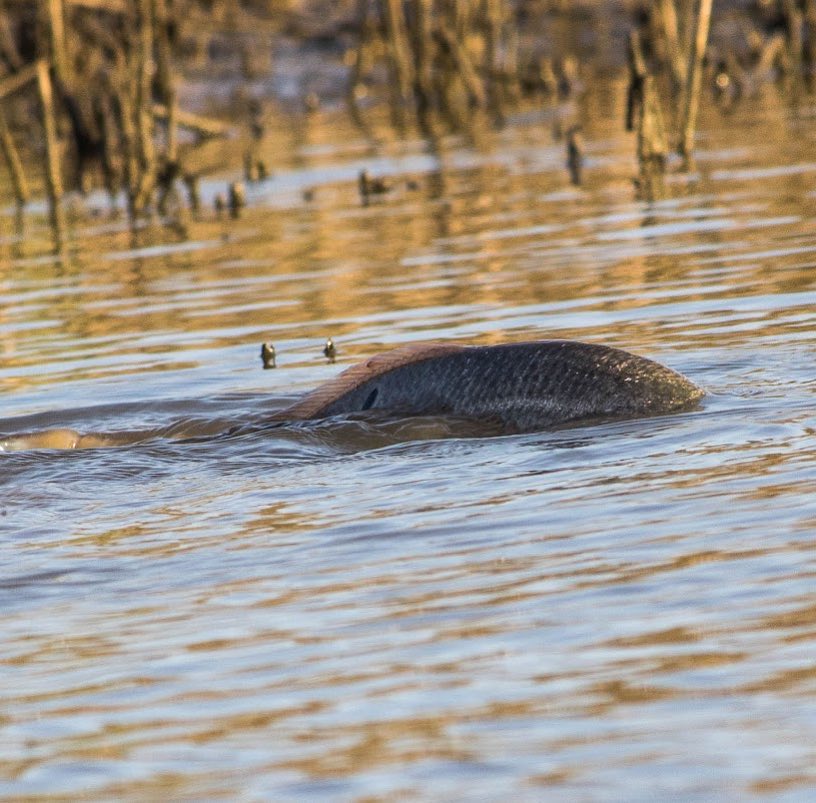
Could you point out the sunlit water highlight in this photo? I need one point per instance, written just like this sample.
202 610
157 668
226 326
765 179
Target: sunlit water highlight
351 609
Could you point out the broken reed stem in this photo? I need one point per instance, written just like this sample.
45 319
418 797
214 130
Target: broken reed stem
795 24
423 48
203 126
52 155
510 76
402 79
172 126
111 157
652 145
56 30
492 12
9 51
694 83
637 74
686 24
131 161
17 81
164 72
398 48
143 187
464 65
772 52
644 112
677 62
144 110
15 166
575 155
359 63
809 51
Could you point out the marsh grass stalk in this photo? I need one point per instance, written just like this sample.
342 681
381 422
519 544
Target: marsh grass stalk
493 22
809 46
652 144
637 74
448 60
52 153
575 155
399 61
8 46
668 20
145 178
644 113
795 24
110 86
19 182
11 155
56 30
105 86
694 82
165 77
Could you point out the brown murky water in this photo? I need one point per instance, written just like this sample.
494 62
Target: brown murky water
351 610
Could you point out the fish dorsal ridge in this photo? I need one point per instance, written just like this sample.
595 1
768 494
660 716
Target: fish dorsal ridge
377 365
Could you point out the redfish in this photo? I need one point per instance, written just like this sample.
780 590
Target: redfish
523 386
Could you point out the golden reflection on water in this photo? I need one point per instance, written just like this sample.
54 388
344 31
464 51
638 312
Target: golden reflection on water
320 615
296 270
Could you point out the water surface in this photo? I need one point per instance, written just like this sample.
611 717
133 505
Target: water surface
353 610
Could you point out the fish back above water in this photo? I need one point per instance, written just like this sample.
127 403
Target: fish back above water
524 386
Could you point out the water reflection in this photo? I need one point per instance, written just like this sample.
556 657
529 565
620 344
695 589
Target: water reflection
341 612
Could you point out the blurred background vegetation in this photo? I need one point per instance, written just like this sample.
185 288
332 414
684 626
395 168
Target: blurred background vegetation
120 93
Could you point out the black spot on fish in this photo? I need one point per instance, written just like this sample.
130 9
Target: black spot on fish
372 397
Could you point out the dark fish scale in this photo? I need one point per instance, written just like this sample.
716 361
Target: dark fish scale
526 386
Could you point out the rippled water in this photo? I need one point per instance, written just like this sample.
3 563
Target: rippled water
354 610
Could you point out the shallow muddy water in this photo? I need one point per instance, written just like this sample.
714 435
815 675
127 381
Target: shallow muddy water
218 609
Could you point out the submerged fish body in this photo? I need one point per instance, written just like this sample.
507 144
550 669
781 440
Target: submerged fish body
514 387
523 386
